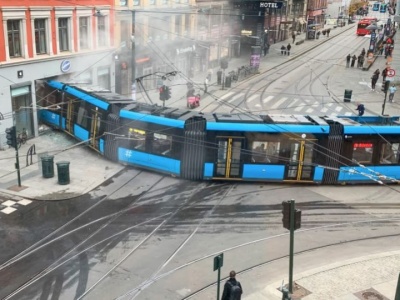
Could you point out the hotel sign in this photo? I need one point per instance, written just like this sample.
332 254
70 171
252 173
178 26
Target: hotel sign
271 4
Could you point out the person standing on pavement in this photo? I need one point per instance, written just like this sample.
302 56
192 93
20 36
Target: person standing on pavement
283 50
384 74
348 58
353 60
392 90
288 47
328 31
206 81
374 79
363 52
359 59
232 288
293 37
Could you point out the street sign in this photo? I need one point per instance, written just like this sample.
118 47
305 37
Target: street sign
390 73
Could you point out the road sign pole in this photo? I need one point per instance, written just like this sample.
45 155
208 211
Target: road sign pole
397 297
218 263
292 204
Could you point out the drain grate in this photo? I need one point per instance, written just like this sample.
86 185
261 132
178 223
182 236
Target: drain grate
370 294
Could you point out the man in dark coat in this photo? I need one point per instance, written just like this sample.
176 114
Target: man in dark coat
374 79
232 286
353 60
283 50
348 58
288 47
293 37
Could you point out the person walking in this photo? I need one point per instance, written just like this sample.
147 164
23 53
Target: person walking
293 37
361 109
288 47
384 74
206 81
353 60
392 90
283 50
348 58
374 79
359 59
232 289
363 52
328 31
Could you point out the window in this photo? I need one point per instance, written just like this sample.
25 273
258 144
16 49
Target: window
84 33
265 152
136 2
152 2
101 31
389 153
14 38
362 152
162 144
123 2
40 36
137 139
63 34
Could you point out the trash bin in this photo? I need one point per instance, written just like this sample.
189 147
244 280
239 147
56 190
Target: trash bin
228 81
48 166
63 172
219 77
347 95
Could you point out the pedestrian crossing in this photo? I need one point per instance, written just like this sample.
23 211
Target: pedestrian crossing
286 105
9 206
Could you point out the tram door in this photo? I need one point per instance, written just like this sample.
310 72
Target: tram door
94 128
300 164
229 154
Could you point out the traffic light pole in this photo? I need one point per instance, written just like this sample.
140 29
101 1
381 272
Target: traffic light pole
292 204
17 165
386 87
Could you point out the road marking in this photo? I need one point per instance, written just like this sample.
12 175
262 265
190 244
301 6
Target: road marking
226 95
278 103
338 108
324 110
310 110
269 98
316 103
251 98
235 97
348 114
329 104
299 108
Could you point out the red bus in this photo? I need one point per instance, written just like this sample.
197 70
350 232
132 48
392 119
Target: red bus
365 22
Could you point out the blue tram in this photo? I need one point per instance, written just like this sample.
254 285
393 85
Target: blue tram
214 146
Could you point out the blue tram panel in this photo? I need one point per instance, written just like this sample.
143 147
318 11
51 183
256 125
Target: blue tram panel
201 146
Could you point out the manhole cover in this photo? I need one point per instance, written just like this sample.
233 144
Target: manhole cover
370 294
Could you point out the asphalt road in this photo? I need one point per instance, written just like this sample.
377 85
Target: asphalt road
143 235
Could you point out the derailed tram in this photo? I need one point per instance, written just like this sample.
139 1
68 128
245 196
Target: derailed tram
202 146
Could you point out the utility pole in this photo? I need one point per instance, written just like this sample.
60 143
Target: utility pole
385 88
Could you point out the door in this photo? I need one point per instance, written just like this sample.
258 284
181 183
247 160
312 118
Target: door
300 163
95 128
229 157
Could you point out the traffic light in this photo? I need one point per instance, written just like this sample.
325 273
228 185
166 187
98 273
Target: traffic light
385 86
167 93
286 216
11 136
162 93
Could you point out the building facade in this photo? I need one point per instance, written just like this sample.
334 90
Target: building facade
71 41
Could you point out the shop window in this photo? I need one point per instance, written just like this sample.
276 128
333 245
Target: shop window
14 38
362 152
389 153
162 144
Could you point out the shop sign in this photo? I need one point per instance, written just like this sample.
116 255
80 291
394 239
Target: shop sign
246 32
271 4
65 66
185 50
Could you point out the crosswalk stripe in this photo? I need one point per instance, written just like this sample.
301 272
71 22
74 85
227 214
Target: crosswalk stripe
348 114
324 110
226 95
310 110
278 103
338 108
329 104
251 98
316 103
269 98
299 108
235 98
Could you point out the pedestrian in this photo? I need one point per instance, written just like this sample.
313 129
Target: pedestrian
353 60
381 50
348 58
363 52
392 90
328 31
374 79
206 84
359 59
293 37
361 109
283 50
362 61
387 51
232 288
384 74
266 49
288 47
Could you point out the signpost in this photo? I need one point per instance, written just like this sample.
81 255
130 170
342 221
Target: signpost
390 73
218 263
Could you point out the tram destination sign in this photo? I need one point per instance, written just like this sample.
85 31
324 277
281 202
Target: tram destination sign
268 4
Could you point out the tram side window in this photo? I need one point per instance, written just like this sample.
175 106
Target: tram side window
265 152
136 138
389 153
162 144
82 118
362 152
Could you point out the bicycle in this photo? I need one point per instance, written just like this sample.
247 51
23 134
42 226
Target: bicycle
21 138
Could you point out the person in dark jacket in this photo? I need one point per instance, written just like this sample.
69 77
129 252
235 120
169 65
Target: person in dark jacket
348 58
230 285
283 50
288 47
353 60
374 79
